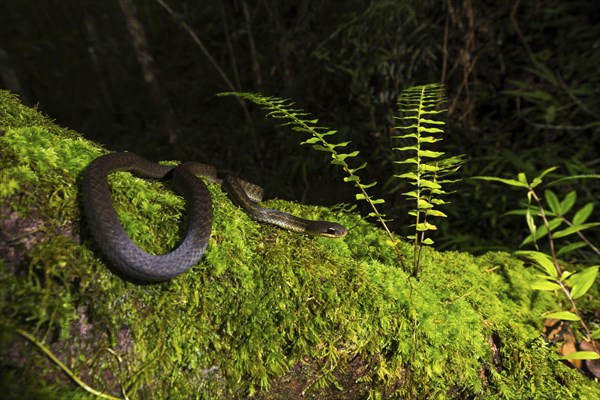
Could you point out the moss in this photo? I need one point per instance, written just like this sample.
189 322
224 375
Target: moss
265 312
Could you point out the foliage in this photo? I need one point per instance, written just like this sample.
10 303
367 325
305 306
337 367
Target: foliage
573 284
419 105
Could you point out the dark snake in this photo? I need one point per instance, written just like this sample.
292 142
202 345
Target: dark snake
127 257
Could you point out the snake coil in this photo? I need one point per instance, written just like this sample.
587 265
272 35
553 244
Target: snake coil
127 257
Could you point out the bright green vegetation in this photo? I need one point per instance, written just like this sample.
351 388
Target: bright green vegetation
261 301
419 108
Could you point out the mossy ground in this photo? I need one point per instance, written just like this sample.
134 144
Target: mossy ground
266 312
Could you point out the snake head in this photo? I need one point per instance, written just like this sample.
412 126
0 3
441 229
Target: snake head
327 229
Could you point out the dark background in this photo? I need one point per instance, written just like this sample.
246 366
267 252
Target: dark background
522 78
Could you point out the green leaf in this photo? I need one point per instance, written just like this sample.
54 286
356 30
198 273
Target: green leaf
564 250
429 129
568 201
429 184
322 148
509 182
531 224
423 204
411 160
581 355
541 260
311 140
583 214
427 241
564 315
431 154
582 281
553 201
367 185
352 171
408 175
426 226
545 285
573 229
435 213
537 180
542 230
574 177
407 148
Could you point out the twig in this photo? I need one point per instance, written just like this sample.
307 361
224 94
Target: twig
66 369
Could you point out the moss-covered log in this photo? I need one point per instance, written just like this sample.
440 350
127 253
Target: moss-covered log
267 312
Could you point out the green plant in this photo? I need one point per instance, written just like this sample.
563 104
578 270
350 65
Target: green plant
418 106
296 118
555 277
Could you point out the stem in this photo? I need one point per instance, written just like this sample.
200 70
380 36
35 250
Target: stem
66 369
582 237
557 266
547 225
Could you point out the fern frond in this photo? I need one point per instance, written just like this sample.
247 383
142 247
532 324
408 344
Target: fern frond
419 106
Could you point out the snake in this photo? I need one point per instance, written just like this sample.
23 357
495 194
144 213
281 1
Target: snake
128 258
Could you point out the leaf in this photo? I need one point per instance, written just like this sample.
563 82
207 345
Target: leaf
429 184
581 355
430 154
426 226
564 315
428 139
541 260
322 148
542 230
411 160
509 182
564 250
367 185
583 214
568 201
408 175
427 241
352 171
553 201
545 285
311 140
573 229
537 180
423 204
435 213
407 148
582 281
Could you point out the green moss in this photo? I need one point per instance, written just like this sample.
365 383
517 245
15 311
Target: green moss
262 303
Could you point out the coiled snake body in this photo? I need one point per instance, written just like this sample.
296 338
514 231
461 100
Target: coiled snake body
125 255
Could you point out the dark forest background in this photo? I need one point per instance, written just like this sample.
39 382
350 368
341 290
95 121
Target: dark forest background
522 78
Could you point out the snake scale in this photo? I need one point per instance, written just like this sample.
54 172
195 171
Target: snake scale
127 257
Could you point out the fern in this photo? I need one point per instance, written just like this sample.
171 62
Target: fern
418 106
297 119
